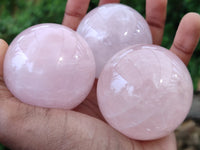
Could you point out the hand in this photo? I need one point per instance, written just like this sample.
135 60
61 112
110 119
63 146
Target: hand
33 128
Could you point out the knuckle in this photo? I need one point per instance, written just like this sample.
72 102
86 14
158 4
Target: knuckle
72 13
181 48
156 22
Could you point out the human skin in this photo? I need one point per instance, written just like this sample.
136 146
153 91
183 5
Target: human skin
25 127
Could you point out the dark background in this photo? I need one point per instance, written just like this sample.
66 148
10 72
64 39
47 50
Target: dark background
17 15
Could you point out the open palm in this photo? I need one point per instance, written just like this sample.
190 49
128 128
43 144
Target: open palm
33 128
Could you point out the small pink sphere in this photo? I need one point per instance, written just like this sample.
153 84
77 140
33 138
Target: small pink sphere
111 28
49 65
145 92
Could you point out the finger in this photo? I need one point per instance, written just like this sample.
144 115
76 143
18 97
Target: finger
156 16
101 2
74 12
3 49
187 37
166 143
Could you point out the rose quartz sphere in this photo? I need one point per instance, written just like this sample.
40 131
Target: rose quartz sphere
145 92
49 65
111 28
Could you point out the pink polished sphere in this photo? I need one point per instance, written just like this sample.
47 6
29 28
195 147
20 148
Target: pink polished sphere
49 65
111 28
145 92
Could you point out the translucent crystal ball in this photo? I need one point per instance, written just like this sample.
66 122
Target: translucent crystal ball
145 92
111 28
49 65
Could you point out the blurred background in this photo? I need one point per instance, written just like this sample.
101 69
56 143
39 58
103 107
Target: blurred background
17 15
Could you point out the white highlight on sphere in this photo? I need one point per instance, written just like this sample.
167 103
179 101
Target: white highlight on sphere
145 92
110 28
49 65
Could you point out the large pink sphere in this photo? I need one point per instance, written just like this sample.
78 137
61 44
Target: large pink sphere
111 28
145 92
49 65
